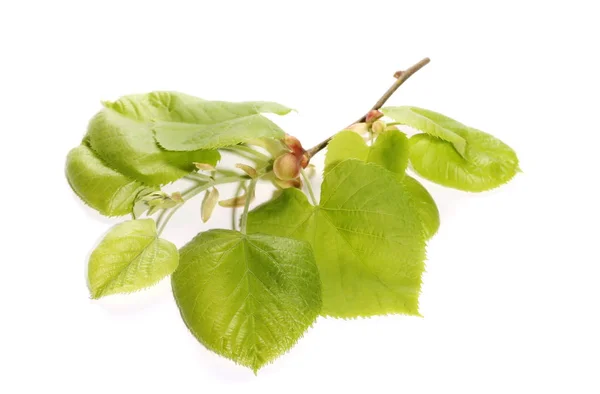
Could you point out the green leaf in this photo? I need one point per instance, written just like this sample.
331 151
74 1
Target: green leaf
121 134
100 187
390 150
366 235
425 205
218 124
131 257
455 155
247 297
488 162
431 123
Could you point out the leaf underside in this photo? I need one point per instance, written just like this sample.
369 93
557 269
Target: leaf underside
101 187
455 155
366 235
247 297
131 257
122 136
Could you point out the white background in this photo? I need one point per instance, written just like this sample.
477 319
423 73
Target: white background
510 297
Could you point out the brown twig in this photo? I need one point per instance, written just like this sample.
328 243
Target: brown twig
401 76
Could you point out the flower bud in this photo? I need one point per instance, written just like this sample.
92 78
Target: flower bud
378 127
287 167
297 183
359 128
373 115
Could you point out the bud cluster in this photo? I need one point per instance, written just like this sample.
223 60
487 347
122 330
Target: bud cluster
288 165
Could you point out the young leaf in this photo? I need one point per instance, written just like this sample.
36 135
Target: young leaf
247 297
121 134
131 257
431 123
390 150
209 203
366 235
102 188
488 162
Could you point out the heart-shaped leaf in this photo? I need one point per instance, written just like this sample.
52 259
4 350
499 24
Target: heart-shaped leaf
366 234
247 297
102 188
390 151
131 257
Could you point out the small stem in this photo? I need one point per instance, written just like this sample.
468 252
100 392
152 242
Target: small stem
401 78
249 195
166 215
234 209
309 187
246 149
194 176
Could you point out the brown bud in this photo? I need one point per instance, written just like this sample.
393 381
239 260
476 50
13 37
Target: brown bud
304 160
287 167
297 183
373 115
208 204
294 144
378 127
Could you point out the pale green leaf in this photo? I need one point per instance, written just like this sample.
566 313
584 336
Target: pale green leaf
102 188
488 162
425 205
131 257
430 122
122 136
247 297
218 124
366 234
390 151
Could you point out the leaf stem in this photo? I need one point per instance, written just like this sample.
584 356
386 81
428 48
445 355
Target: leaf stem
166 215
234 209
249 195
401 77
309 187
246 149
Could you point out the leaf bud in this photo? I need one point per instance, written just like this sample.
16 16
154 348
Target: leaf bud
359 128
373 115
287 167
378 127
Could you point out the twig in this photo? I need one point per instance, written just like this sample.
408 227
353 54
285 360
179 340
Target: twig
401 76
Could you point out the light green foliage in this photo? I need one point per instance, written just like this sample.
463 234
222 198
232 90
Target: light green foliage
366 235
488 162
247 297
455 155
431 123
122 136
390 150
218 124
102 188
131 257
424 204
